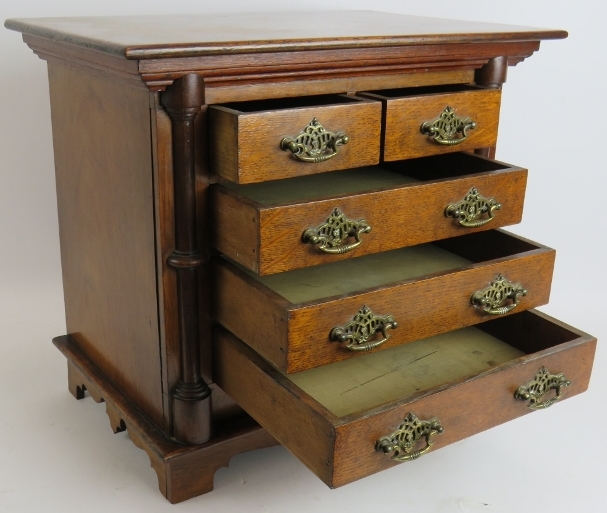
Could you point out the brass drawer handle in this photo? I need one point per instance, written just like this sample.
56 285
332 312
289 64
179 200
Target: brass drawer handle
359 331
471 208
445 128
332 234
402 442
314 143
492 298
539 386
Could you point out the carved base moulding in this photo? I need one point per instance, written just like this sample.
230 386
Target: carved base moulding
184 471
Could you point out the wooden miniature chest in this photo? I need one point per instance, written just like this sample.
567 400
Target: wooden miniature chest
286 229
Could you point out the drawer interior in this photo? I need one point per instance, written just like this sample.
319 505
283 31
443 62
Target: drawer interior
365 179
363 383
381 269
291 103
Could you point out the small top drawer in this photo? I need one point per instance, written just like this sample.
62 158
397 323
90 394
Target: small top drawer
432 120
264 140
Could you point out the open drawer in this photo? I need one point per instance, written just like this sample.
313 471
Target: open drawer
352 419
317 315
263 140
431 120
287 224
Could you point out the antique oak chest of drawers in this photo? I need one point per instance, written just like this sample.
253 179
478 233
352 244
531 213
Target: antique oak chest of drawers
278 228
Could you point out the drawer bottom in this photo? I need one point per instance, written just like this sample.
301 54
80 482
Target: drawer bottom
333 417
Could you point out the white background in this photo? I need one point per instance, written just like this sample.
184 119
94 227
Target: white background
58 454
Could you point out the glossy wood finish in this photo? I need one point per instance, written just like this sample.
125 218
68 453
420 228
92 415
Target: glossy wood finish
260 226
407 109
341 449
287 317
107 231
184 471
245 137
145 37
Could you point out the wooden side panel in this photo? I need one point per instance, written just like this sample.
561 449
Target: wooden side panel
235 228
422 308
252 312
463 410
258 136
103 161
288 414
165 242
404 117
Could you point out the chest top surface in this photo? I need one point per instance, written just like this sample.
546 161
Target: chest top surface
141 37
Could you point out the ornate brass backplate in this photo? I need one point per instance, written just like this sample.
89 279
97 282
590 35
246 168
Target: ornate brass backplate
333 233
471 208
314 143
445 128
359 331
539 386
402 442
492 298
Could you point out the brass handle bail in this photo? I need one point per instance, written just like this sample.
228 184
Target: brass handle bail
401 443
469 211
334 232
314 144
445 128
361 329
492 299
539 386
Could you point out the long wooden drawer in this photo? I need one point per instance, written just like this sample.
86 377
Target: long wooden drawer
262 140
313 316
438 119
342 420
287 224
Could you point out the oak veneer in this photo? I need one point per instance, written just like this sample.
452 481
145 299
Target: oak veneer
407 109
260 226
245 137
288 317
340 449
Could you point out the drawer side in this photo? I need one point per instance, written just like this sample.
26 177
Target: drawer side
279 406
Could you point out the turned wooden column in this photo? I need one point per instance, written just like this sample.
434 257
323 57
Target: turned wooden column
191 398
493 74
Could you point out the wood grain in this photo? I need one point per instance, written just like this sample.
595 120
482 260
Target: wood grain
405 115
423 306
465 405
464 409
260 226
107 229
251 382
245 146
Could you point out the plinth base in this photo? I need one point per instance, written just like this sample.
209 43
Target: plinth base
184 471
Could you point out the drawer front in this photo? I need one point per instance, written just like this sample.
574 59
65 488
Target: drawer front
268 239
342 449
297 334
247 147
405 116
